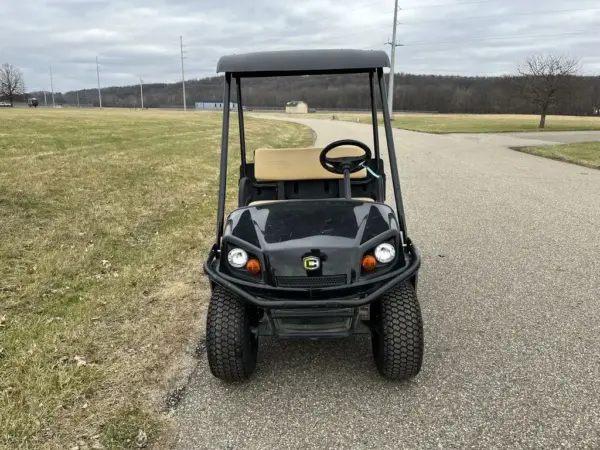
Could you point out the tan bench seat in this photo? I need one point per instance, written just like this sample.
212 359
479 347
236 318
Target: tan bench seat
295 164
299 164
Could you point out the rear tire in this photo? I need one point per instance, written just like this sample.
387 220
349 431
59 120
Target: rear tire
231 346
397 336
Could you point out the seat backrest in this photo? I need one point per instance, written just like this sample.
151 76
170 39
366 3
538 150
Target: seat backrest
296 164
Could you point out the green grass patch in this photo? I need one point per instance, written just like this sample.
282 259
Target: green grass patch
583 153
106 219
127 429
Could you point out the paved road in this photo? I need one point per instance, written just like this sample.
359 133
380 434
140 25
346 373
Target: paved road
525 138
510 291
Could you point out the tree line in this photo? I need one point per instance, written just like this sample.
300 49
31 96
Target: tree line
543 84
433 93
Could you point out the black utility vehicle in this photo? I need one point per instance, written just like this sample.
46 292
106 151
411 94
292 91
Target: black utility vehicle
312 249
33 102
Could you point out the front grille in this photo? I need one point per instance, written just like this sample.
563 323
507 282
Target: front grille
300 282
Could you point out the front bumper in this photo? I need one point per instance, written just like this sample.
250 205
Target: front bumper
345 296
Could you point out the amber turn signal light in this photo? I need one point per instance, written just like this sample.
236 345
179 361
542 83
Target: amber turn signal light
369 262
253 266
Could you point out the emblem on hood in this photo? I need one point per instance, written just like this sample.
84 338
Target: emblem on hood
311 262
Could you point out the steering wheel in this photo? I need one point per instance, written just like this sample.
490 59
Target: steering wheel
341 164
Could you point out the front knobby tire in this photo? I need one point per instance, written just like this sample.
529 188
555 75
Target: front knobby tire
397 336
231 346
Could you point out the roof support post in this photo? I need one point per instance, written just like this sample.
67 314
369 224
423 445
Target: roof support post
391 152
223 164
238 83
374 120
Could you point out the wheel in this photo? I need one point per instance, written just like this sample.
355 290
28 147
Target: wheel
231 346
397 335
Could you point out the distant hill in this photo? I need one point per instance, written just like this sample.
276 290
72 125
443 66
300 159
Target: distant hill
440 93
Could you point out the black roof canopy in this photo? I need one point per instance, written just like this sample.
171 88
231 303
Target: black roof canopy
299 62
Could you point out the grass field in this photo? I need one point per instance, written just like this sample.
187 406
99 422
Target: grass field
470 123
583 153
106 219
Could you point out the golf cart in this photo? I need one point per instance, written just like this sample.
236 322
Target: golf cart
312 250
33 102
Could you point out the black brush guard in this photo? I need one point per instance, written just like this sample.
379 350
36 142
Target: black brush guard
340 296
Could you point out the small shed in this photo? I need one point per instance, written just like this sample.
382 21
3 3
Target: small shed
299 107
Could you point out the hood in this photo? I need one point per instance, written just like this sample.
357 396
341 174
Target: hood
330 231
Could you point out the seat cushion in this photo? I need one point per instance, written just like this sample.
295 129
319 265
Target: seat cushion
295 164
264 202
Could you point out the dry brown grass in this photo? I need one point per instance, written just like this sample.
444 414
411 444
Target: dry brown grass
467 123
106 219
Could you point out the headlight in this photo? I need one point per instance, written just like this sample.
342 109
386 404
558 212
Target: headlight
237 258
384 253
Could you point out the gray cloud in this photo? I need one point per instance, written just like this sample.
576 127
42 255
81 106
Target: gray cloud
134 38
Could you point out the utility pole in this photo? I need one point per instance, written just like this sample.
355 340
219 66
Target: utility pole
393 44
52 86
142 91
98 75
182 74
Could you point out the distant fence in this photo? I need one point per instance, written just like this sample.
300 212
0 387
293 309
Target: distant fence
338 110
49 105
246 108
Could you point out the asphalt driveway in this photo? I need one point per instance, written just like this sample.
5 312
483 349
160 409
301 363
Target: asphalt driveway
510 292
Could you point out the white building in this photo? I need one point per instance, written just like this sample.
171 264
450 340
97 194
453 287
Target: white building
296 107
214 105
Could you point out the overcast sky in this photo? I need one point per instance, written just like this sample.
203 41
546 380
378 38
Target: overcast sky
134 38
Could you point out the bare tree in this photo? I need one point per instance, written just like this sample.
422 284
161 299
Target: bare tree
11 82
545 78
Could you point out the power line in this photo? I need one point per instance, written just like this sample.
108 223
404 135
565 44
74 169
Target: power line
339 14
500 15
367 5
469 2
377 27
502 37
451 4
